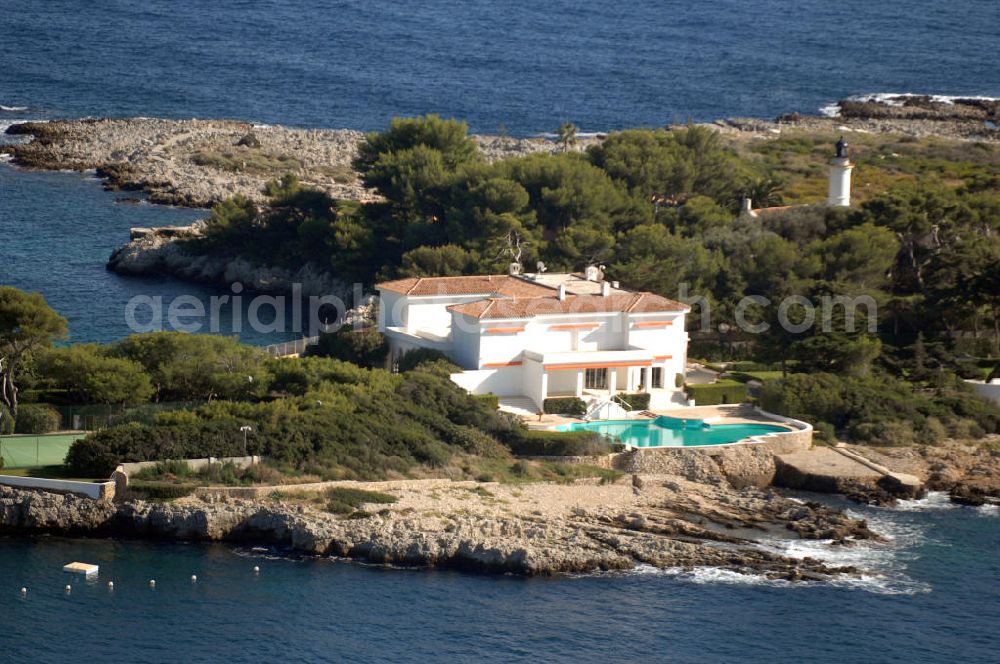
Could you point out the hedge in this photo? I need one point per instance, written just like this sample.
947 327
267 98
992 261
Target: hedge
161 490
490 400
719 392
564 406
535 442
99 453
636 401
37 419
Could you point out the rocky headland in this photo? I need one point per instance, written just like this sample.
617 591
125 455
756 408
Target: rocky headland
198 163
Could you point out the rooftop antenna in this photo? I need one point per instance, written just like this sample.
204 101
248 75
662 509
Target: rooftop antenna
513 247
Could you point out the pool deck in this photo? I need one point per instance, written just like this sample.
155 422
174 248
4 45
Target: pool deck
733 414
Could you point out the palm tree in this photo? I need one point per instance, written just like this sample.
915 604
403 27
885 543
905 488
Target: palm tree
765 191
566 135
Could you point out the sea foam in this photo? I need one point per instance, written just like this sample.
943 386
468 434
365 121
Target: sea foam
896 99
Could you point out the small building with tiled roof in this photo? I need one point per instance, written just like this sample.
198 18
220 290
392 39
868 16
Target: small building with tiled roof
531 337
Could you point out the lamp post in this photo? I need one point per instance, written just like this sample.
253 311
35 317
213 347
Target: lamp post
246 428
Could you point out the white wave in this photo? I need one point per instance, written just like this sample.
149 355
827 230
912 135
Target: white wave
896 99
882 584
580 134
13 109
989 510
876 583
934 500
711 575
899 98
830 110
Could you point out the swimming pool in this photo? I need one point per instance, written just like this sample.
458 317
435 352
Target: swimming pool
672 431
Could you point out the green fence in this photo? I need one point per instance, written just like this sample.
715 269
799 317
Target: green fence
29 451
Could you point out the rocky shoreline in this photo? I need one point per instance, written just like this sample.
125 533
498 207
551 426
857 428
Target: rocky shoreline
197 163
685 511
161 252
666 522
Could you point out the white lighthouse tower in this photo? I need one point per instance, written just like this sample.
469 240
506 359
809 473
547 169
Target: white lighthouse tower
840 177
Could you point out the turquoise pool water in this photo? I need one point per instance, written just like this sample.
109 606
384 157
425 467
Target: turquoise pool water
672 431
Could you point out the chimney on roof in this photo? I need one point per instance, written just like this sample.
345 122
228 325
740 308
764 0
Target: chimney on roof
614 284
562 292
605 289
747 206
592 273
514 269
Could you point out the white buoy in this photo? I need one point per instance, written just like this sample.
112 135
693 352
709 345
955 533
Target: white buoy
24 591
256 570
194 578
152 583
111 585
69 589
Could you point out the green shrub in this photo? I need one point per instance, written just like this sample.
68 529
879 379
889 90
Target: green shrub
177 468
636 401
37 419
564 406
719 392
366 347
931 431
490 400
474 441
99 453
964 428
534 442
161 490
889 433
824 432
420 356
347 500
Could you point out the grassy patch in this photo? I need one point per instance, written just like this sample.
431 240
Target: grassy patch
762 376
246 160
160 491
348 500
224 474
526 471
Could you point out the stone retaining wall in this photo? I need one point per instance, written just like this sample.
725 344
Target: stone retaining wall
93 490
194 464
601 461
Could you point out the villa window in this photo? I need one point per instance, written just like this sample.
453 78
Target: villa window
596 379
657 380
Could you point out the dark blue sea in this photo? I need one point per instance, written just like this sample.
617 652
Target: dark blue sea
932 596
518 66
933 593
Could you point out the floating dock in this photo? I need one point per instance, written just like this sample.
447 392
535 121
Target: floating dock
86 569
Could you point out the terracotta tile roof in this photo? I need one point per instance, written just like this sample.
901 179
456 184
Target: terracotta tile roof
476 285
528 307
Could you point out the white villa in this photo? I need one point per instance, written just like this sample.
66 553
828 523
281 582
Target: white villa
529 337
